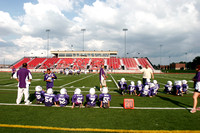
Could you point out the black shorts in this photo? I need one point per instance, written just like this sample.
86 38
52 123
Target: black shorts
196 91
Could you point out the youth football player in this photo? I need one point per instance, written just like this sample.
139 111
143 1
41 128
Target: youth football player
39 94
157 86
132 88
178 88
13 72
50 98
123 86
168 87
49 78
77 98
146 91
105 98
91 98
139 87
184 86
63 98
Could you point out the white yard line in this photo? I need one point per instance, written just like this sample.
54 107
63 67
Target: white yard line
114 81
157 108
76 80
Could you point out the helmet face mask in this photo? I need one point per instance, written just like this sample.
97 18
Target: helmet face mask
63 91
38 88
92 91
50 91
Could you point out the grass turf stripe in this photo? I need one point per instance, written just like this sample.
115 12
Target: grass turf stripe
97 130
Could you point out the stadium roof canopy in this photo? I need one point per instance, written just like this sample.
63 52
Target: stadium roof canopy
84 54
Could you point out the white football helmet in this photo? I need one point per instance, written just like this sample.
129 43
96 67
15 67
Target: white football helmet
151 85
63 91
184 81
50 91
155 81
139 82
92 91
179 83
38 88
122 79
77 91
105 90
169 82
148 80
146 87
132 83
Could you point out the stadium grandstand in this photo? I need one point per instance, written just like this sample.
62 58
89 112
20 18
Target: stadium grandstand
90 60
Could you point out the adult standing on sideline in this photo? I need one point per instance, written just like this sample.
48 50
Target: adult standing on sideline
49 78
147 73
23 77
102 77
196 94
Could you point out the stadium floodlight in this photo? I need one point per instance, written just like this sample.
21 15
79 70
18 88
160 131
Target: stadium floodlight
125 40
83 30
47 30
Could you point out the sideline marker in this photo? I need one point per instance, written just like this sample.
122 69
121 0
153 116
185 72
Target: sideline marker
128 103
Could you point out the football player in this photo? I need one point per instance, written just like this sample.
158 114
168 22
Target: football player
152 90
146 91
132 88
184 86
157 86
168 87
123 86
91 98
105 98
63 98
139 87
49 78
39 94
13 72
178 88
77 98
50 98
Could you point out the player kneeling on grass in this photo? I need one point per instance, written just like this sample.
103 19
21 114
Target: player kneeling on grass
91 99
77 98
50 98
105 98
132 88
152 90
63 98
184 86
178 88
146 91
168 87
157 86
139 87
123 86
39 94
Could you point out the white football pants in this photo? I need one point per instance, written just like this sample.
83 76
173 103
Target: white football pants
20 93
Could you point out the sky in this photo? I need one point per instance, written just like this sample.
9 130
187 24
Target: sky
165 31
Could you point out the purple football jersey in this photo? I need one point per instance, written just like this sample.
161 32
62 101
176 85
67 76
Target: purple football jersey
49 99
91 99
131 88
63 99
77 99
50 84
122 85
24 75
39 96
184 87
139 88
168 88
104 98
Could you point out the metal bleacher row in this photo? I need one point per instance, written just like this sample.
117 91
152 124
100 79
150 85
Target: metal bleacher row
84 63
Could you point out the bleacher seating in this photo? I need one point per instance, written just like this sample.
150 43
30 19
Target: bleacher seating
130 63
35 62
19 64
114 63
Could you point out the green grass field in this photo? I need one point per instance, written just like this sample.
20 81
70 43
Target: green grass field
97 118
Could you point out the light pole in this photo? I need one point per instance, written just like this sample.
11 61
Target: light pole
125 40
160 55
47 30
83 30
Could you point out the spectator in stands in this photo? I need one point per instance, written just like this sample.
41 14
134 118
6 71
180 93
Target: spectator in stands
147 73
49 78
102 77
196 94
23 77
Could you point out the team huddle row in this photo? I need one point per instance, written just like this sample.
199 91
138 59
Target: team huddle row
63 99
151 88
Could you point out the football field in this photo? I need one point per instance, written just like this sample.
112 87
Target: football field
164 112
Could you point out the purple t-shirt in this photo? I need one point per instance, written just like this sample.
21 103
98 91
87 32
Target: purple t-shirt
63 99
13 70
39 95
91 99
104 98
77 99
197 77
101 73
47 77
50 99
24 75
